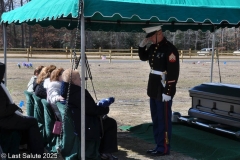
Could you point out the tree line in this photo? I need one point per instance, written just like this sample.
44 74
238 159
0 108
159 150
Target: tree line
22 36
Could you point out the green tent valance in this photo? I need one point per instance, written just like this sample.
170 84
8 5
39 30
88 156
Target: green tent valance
129 15
43 12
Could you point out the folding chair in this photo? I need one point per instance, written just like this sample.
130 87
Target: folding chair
29 103
71 144
39 115
49 120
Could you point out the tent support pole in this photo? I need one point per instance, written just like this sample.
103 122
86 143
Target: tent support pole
83 66
5 51
213 46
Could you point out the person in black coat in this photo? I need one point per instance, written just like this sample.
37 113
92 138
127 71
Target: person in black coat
12 119
38 87
163 58
93 128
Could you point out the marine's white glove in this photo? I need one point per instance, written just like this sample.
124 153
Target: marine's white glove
165 98
144 42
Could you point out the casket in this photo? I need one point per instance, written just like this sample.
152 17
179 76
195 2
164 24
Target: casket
216 102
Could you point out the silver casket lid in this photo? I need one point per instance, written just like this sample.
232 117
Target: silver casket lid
218 91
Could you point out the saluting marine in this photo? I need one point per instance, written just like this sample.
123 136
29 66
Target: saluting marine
163 60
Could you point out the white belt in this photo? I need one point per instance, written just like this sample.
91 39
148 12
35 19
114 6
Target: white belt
162 74
157 72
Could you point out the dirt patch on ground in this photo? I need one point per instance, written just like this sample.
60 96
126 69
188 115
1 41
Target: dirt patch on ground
127 82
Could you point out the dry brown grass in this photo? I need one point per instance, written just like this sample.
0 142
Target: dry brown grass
127 82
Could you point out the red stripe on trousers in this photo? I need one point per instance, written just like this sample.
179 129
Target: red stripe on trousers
166 127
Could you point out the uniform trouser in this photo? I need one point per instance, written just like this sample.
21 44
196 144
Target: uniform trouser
161 119
29 128
108 143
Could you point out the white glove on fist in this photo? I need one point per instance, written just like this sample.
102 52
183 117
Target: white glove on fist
144 42
165 98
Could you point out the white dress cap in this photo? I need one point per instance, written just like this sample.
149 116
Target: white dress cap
152 29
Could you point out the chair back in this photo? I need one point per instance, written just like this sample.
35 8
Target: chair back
49 120
29 103
39 115
71 143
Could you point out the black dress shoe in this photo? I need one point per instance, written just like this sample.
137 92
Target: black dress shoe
150 151
158 153
108 156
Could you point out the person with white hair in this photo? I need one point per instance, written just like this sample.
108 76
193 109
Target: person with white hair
106 133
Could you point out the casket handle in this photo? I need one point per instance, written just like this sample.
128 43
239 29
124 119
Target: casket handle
214 107
231 109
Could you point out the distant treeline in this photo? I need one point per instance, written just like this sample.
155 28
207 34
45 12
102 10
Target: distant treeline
37 36
21 36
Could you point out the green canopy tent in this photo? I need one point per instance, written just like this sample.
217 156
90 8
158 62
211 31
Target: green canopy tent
129 15
125 15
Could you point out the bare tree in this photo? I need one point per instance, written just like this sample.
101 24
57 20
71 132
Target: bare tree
237 37
174 38
13 27
22 29
196 40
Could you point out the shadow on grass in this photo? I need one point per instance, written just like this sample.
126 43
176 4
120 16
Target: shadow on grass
131 147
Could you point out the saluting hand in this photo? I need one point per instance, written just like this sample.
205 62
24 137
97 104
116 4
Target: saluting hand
144 42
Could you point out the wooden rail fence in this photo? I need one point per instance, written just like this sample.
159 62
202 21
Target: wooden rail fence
66 53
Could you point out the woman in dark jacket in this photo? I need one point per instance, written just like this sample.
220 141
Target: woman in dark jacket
12 119
93 113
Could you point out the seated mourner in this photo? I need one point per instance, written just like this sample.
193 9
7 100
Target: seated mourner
108 139
54 91
47 80
39 86
12 119
33 78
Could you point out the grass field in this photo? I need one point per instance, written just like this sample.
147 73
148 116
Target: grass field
127 82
